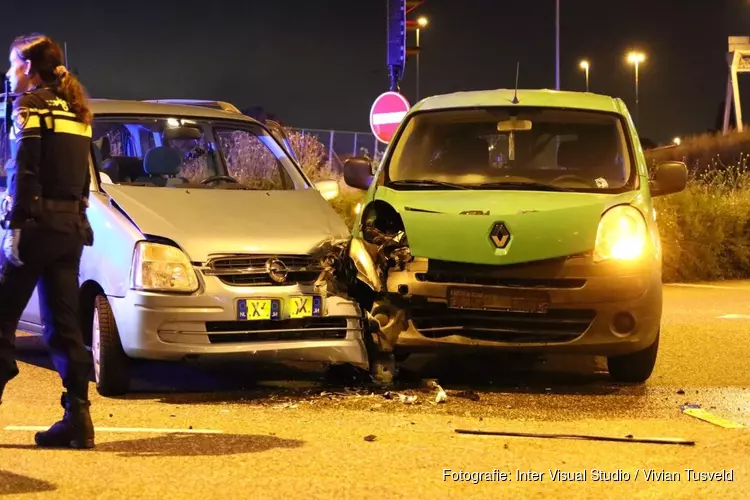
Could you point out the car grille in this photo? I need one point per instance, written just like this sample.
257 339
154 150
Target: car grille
528 275
251 270
557 325
267 330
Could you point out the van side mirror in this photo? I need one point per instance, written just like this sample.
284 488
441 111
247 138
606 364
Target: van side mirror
358 173
669 177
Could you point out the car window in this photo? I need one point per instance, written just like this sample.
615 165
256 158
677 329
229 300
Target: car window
579 150
142 151
251 162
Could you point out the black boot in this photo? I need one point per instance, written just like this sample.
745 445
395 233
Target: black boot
75 430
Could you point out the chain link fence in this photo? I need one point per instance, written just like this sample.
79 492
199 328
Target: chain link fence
341 144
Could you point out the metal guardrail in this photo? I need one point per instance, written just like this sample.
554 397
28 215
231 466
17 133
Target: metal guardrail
342 144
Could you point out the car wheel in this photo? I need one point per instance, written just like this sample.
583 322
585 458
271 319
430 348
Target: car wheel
111 364
635 367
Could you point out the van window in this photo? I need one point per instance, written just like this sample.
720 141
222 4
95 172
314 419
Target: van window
578 150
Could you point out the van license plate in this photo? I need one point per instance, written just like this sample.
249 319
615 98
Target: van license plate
498 300
258 309
305 306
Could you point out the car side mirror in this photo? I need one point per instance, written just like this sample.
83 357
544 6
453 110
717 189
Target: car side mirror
358 173
669 177
329 189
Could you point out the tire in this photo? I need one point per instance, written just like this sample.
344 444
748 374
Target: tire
111 364
635 367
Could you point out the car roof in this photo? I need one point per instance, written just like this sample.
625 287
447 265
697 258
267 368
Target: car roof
125 107
526 97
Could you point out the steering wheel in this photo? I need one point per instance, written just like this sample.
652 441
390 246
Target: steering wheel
217 178
571 177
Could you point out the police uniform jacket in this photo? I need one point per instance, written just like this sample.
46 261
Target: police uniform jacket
51 151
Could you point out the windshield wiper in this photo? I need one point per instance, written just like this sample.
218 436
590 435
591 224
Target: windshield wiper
428 182
515 185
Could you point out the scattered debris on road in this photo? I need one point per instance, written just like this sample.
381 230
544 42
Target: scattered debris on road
628 438
468 394
696 411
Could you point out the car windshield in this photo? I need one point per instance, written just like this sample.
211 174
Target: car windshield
537 149
176 152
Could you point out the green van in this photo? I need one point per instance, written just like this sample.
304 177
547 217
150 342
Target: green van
519 221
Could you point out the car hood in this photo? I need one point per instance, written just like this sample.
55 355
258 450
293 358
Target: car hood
215 221
457 225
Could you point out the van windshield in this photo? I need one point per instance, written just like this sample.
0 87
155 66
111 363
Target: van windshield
537 148
175 152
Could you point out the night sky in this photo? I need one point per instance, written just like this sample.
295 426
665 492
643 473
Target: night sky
319 64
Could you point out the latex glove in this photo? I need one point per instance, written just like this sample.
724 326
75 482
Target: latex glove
10 246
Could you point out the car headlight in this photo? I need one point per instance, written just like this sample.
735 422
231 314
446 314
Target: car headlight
622 235
162 268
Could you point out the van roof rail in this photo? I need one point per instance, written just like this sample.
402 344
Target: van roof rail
223 105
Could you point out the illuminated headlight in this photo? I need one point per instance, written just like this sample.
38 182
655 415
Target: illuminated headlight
162 268
622 235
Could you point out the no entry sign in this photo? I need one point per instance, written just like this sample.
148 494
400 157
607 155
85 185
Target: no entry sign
386 114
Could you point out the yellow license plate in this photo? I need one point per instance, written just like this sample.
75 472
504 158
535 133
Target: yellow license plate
306 306
258 309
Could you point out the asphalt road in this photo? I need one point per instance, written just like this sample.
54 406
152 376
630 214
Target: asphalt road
270 432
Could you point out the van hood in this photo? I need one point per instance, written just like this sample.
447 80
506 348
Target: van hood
457 225
215 221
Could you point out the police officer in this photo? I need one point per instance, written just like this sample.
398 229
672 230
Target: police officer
45 225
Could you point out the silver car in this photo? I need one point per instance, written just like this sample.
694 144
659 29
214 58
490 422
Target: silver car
209 242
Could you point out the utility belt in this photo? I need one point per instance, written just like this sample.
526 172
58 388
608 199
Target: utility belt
47 207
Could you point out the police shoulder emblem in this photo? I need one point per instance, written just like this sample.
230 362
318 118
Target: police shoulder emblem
21 117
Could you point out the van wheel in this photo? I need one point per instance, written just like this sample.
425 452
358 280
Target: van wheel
111 364
635 367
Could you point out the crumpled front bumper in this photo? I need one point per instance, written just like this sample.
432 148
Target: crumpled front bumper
205 325
578 306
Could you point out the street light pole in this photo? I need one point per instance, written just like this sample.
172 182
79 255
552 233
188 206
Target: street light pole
637 100
585 67
557 44
418 50
421 23
636 58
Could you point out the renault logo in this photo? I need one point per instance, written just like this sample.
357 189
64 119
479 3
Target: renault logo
500 235
276 270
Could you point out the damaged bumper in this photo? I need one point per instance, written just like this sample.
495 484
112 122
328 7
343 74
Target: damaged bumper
565 305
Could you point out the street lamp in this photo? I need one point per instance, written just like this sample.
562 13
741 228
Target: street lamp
636 58
585 67
421 23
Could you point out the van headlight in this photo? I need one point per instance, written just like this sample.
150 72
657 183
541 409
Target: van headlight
622 235
162 268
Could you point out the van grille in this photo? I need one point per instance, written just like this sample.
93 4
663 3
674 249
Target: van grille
253 270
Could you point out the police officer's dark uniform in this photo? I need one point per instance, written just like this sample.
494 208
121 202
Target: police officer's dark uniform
48 190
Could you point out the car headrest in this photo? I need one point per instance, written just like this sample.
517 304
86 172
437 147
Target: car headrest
470 151
571 154
123 168
162 161
594 153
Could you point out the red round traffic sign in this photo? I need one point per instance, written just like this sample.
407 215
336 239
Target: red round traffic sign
386 115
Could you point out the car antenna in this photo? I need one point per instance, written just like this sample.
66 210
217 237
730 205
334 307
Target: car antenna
515 96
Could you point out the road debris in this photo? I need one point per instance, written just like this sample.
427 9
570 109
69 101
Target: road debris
370 438
469 394
284 405
441 396
628 438
696 411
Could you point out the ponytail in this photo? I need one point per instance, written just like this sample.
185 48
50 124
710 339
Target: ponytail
73 92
